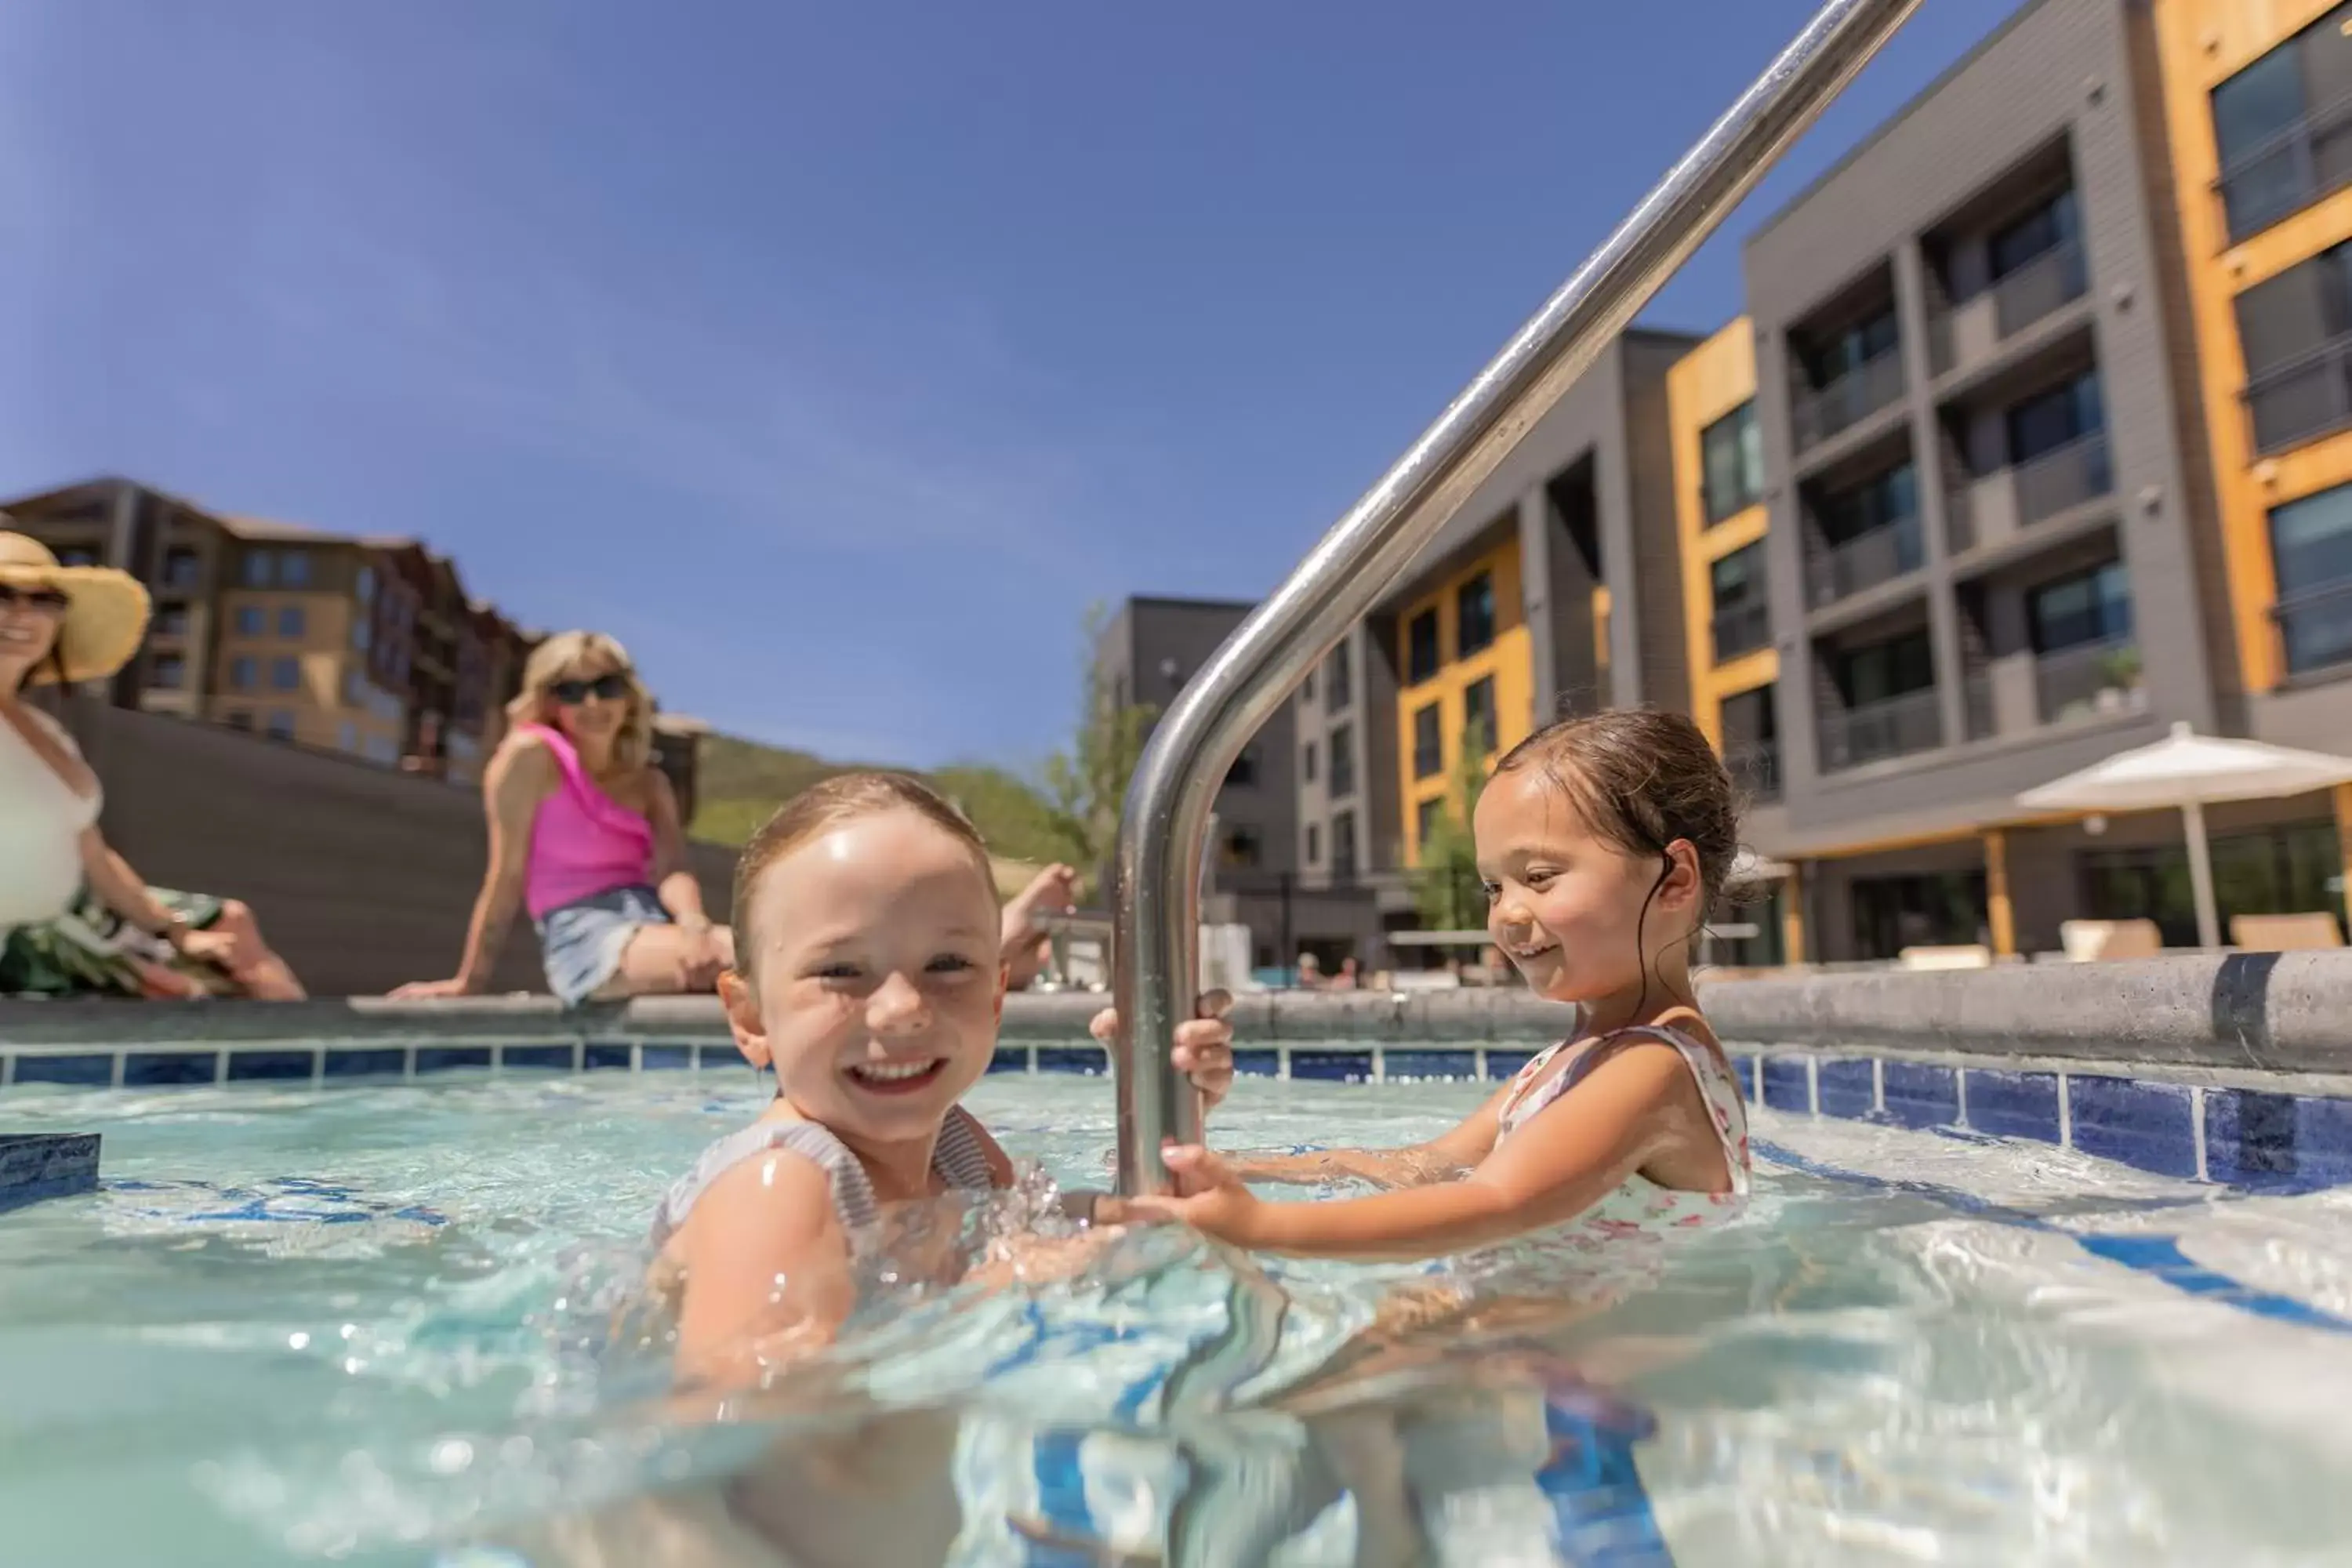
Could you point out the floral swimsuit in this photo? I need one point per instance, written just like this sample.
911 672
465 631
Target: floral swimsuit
1640 1206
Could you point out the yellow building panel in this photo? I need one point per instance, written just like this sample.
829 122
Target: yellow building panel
1710 381
1508 661
2202 42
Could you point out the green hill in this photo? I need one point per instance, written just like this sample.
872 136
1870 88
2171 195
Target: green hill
741 781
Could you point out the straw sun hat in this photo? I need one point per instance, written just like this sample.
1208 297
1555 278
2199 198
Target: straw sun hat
103 624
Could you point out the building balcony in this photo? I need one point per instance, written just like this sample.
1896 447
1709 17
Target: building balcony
1999 505
1756 765
2308 160
1973 331
1817 414
2315 628
1873 732
1839 572
2308 396
2024 692
1741 630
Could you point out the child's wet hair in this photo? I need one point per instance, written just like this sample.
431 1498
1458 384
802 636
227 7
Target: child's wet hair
828 804
1641 778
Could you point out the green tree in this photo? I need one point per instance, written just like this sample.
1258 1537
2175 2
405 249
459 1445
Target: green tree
1446 891
1084 783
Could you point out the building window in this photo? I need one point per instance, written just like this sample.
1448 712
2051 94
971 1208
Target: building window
1887 499
1882 671
1306 762
1478 711
1342 747
1425 818
364 585
2055 224
258 569
1343 845
347 737
281 724
1307 692
1314 845
1944 908
1751 742
168 671
1742 624
1421 647
182 569
362 633
1731 460
77 555
2269 871
2088 607
249 621
1428 746
290 621
285 674
240 675
1338 684
1240 848
354 687
293 569
2295 389
239 718
2281 147
1242 774
2311 554
1474 616
171 620
1847 351
382 749
2056 418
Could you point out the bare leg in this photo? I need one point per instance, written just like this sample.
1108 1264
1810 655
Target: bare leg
662 961
261 971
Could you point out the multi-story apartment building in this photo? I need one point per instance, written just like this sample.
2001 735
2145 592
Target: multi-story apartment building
366 646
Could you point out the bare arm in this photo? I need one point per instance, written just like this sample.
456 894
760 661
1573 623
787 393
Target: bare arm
520 776
1442 1159
121 889
767 1275
1625 1112
681 895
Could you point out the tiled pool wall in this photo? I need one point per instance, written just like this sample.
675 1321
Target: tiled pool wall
2253 1129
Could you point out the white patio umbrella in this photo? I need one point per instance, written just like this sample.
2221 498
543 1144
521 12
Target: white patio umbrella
2189 771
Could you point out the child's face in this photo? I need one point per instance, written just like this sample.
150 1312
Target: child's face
877 979
1565 904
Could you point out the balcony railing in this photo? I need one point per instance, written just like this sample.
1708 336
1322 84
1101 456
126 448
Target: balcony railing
2042 288
1894 727
1822 411
2307 395
1977 711
1741 628
2062 478
2089 678
2315 627
2308 160
1885 553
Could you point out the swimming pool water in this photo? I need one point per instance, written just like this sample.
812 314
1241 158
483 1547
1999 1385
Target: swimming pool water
374 1325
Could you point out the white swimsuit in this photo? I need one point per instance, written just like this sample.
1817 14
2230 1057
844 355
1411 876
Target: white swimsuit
42 820
1640 1206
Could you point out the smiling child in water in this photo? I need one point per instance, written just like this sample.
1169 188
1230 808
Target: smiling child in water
870 976
1602 842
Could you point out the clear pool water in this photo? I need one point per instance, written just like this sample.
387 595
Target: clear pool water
393 1325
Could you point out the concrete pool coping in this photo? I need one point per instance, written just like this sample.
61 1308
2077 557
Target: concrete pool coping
2287 1013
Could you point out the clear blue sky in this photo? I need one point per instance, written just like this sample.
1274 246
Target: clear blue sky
833 357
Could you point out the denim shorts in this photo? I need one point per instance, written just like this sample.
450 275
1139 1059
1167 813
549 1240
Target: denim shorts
580 943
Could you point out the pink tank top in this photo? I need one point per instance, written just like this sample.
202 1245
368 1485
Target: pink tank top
583 841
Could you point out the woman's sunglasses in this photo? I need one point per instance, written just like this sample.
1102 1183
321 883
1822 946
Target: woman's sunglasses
572 693
49 599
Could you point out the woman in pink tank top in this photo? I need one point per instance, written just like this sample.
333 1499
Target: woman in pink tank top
585 834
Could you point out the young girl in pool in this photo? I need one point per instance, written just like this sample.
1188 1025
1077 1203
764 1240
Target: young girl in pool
870 976
1602 843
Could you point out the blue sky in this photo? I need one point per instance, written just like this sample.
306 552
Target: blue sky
836 358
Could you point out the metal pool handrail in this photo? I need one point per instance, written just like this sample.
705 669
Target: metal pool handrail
1163 829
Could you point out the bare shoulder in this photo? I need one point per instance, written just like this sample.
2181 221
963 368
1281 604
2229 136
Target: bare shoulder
777 1197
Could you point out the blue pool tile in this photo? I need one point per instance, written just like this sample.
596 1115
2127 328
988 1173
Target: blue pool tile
1918 1095
725 1056
1010 1058
1070 1059
244 1065
1430 1064
36 1165
1258 1064
606 1053
444 1059
666 1058
2014 1104
148 1068
65 1070
1744 1069
556 1058
2257 1140
1785 1085
1332 1067
375 1061
1847 1089
2150 1125
1501 1065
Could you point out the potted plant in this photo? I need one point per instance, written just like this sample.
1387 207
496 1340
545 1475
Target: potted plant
2118 676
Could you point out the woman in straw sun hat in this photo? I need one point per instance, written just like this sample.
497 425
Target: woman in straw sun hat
73 916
